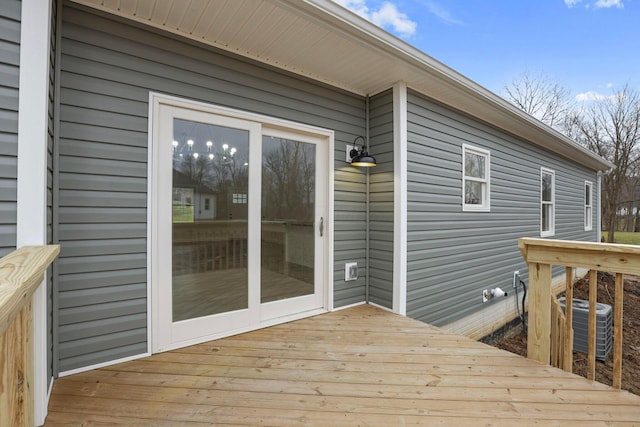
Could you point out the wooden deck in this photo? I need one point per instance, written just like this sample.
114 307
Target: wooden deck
360 366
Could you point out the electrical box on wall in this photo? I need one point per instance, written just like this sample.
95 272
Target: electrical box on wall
350 271
348 149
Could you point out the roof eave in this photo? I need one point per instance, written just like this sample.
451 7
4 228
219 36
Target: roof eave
539 133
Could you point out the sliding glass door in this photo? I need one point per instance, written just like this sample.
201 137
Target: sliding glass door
239 231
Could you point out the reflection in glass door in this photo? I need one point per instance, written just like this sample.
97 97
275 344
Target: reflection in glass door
288 216
209 219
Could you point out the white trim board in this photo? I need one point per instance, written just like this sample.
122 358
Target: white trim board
31 227
400 198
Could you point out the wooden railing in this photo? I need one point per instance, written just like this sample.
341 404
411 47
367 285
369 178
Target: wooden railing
540 255
21 272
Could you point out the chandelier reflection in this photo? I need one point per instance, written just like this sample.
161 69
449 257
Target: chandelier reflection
221 155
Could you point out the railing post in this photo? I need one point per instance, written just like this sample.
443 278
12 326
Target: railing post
21 273
617 331
16 371
593 302
568 334
539 329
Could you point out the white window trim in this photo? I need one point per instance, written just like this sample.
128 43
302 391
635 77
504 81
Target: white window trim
588 207
552 220
486 202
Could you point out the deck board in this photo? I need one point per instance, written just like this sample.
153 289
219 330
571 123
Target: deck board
360 366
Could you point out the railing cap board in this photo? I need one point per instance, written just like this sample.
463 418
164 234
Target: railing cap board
20 275
609 257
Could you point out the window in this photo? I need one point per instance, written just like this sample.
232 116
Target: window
547 202
588 206
240 198
475 179
207 204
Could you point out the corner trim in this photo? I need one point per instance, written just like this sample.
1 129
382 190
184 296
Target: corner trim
400 198
31 222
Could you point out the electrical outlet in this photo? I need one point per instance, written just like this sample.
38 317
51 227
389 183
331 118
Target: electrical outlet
486 296
350 271
516 279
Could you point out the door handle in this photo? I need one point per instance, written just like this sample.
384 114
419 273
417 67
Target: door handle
321 226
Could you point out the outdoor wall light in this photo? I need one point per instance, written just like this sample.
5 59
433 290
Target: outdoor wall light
361 157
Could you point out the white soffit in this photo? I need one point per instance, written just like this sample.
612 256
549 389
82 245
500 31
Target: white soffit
323 41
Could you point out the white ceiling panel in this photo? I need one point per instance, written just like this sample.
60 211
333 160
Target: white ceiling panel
144 8
176 14
254 38
128 7
207 20
160 14
112 4
193 15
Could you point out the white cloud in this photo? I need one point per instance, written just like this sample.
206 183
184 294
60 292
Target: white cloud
609 85
609 3
571 3
442 13
389 16
598 4
357 6
386 16
591 95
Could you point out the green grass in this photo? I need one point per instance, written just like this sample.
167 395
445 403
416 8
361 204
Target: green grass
182 214
625 237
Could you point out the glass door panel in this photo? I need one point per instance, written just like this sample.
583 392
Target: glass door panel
210 196
288 218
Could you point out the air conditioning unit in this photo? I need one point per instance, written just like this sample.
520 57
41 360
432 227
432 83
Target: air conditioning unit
604 333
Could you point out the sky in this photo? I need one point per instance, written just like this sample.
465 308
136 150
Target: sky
590 47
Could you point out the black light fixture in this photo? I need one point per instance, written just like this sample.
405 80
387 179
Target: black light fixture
361 157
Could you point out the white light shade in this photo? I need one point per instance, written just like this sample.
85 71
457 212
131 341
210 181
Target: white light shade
196 155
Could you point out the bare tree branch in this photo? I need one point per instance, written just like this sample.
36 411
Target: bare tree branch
609 126
539 96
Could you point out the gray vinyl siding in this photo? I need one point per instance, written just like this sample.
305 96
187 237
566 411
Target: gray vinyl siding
454 255
381 200
10 11
107 71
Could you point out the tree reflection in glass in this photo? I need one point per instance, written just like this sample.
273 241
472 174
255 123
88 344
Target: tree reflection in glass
210 211
288 214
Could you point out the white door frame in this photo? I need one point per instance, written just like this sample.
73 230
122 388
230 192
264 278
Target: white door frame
155 178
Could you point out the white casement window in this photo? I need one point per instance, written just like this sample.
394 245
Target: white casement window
547 202
475 179
588 205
